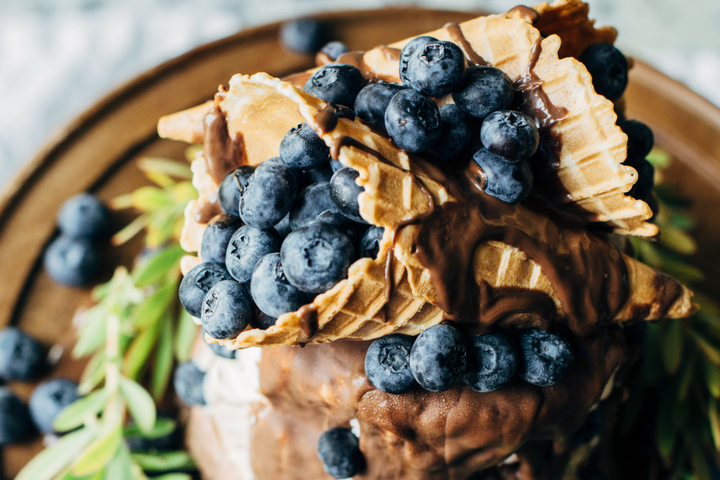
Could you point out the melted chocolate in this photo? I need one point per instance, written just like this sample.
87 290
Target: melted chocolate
473 58
327 118
528 14
222 153
308 322
535 101
298 80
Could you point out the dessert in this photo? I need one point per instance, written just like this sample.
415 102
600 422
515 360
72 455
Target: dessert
503 201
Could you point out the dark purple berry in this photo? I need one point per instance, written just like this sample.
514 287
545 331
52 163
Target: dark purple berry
608 68
484 91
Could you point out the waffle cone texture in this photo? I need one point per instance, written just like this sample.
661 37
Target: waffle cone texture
262 109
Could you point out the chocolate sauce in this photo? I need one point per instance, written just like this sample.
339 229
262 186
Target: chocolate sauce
473 58
222 153
298 80
208 210
667 291
327 118
528 14
308 322
535 101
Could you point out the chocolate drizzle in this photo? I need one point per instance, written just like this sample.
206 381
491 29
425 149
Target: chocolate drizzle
473 58
326 120
528 14
308 322
535 101
222 153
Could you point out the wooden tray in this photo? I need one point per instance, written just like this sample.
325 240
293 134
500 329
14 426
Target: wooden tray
96 152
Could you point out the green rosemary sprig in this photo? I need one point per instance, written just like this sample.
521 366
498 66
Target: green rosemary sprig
132 336
680 365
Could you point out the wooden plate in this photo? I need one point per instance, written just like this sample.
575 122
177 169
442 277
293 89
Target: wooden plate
96 152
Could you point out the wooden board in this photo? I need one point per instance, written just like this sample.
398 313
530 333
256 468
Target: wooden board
96 152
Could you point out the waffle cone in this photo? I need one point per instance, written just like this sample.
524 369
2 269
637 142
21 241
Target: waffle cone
590 170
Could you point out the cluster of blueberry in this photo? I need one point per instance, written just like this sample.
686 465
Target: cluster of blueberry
73 258
440 357
290 229
482 97
22 359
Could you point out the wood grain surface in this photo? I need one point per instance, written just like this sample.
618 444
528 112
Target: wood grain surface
96 153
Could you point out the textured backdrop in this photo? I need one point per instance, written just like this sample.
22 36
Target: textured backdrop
58 56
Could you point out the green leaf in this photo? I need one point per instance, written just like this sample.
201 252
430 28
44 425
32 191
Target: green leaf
164 461
712 379
149 198
163 427
686 378
158 265
672 345
682 271
140 404
714 423
77 413
192 150
186 334
665 434
698 460
155 306
647 252
50 462
659 158
99 453
169 167
120 467
93 374
91 335
678 241
173 476
139 351
163 361
711 353
129 231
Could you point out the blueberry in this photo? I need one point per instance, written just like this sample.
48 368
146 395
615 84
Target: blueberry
311 202
646 177
608 68
303 36
227 308
640 138
73 262
83 216
408 51
197 283
283 227
316 257
247 246
336 83
485 90
219 350
387 364
413 121
319 174
269 195
456 134
370 242
271 290
438 358
232 187
510 182
544 357
353 230
344 193
339 451
15 423
512 135
217 237
334 49
492 362
171 441
188 382
21 356
373 100
261 320
302 149
435 68
49 400
335 165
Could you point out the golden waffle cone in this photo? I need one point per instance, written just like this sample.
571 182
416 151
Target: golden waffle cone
356 308
593 147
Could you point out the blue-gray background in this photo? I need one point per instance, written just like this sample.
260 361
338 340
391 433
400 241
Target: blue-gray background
58 56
